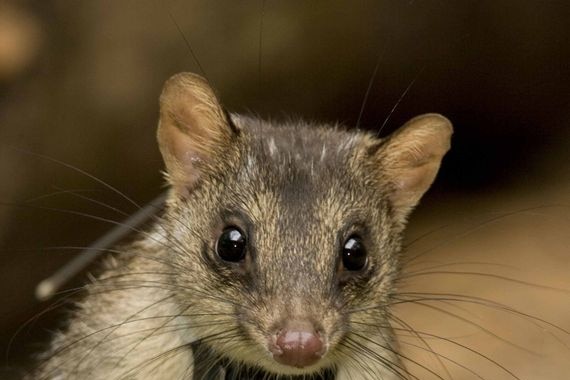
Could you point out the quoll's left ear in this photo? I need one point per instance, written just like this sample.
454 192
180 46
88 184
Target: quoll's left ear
411 156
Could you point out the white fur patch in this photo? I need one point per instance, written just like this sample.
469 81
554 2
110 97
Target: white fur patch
323 152
272 147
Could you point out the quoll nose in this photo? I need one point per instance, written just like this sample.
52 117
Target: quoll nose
298 344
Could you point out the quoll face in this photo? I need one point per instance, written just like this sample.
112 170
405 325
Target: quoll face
300 237
292 270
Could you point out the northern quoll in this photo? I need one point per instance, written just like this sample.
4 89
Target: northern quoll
276 256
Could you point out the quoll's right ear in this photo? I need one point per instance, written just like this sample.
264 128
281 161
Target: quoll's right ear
193 131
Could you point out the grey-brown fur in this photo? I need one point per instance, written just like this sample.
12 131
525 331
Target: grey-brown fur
298 191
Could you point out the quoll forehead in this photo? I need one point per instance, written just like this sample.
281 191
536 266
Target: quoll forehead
301 177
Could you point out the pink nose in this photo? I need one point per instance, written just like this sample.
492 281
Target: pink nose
298 344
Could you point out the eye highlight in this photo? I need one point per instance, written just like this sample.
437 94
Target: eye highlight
354 256
231 245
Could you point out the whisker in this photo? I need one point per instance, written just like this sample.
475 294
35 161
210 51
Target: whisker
260 46
141 366
47 287
370 355
78 170
111 331
405 357
487 275
188 45
458 263
368 89
447 358
401 322
485 357
408 88
471 231
92 200
59 192
465 320
487 303
165 323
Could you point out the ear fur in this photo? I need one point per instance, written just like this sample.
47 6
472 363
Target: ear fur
193 128
411 157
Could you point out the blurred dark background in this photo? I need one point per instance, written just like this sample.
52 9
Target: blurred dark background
79 82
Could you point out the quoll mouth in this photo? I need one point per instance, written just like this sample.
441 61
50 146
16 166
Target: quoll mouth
232 373
224 369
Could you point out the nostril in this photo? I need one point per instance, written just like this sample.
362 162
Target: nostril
298 345
299 340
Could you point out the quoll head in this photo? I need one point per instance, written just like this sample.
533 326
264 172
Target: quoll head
281 235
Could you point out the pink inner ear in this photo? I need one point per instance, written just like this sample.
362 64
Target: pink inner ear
412 182
184 156
192 128
413 156
188 138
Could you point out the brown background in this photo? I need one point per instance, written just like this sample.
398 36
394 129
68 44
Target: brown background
79 82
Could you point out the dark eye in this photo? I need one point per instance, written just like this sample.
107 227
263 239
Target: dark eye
231 245
353 254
